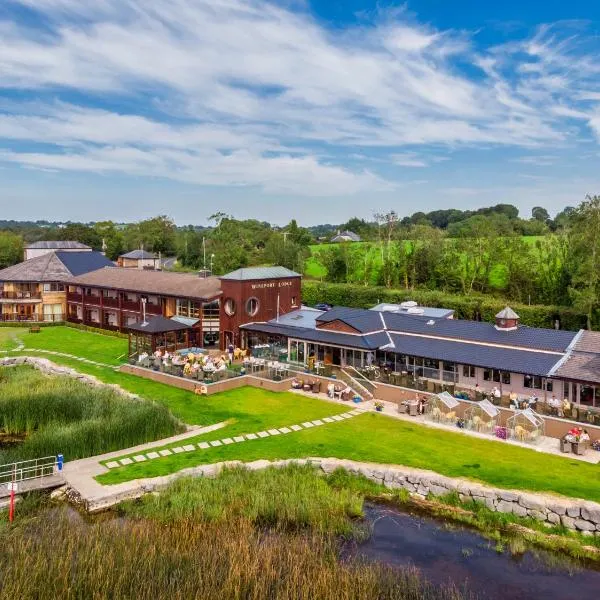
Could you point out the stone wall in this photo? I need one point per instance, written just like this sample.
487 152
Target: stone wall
49 368
580 515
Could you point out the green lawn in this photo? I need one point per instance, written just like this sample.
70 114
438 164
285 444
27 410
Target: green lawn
370 437
377 438
249 410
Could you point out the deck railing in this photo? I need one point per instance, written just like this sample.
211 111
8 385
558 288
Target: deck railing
29 469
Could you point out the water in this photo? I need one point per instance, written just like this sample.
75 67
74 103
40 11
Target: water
448 554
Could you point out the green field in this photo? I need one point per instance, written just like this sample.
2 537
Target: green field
316 269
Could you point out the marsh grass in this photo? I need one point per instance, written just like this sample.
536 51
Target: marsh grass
290 499
63 415
69 558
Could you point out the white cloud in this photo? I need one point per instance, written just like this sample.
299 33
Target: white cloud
246 92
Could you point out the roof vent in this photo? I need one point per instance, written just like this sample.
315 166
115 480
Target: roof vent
409 304
431 322
507 319
413 310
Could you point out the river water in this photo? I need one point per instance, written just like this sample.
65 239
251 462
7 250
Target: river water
471 562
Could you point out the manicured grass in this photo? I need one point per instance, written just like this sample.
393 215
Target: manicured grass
94 346
63 415
9 336
376 438
249 410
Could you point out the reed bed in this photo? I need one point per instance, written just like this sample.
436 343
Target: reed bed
63 556
63 415
294 498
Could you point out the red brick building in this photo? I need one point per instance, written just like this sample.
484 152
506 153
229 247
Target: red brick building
213 308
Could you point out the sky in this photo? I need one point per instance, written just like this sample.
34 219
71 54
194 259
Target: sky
317 110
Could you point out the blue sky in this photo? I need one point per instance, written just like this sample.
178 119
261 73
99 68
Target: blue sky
308 109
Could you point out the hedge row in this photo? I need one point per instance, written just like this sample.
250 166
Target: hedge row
96 330
476 307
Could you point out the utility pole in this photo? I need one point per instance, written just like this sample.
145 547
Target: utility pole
204 251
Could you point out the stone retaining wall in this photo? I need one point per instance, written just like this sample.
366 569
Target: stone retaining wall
580 515
49 368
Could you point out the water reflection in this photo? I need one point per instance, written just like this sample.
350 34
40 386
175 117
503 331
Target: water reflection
448 554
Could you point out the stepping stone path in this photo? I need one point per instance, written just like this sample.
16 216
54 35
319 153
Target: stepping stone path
235 440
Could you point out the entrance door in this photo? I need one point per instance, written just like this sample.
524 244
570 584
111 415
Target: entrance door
25 312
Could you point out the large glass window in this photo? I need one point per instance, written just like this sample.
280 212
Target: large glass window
532 382
54 287
469 371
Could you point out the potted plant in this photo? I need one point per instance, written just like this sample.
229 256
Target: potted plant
378 405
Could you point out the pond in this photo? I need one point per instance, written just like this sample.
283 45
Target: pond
470 561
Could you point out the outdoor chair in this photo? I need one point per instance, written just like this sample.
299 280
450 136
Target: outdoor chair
580 448
565 446
402 408
316 387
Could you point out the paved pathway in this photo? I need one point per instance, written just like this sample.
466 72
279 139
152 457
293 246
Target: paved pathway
80 474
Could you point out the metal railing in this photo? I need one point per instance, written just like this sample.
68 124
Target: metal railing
26 470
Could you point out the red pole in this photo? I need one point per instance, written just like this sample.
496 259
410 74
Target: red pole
11 510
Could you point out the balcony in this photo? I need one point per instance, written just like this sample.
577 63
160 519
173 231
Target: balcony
91 299
20 296
110 301
74 297
17 318
128 305
154 309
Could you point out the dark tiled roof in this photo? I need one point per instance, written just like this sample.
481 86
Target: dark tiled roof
163 283
505 359
363 342
158 324
57 245
139 254
360 319
54 266
527 337
78 263
256 273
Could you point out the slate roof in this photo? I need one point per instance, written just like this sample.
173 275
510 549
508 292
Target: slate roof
165 283
583 361
54 266
362 342
256 273
527 337
57 245
303 317
158 324
478 355
79 263
139 255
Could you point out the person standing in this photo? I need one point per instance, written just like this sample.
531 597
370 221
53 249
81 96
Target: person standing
230 350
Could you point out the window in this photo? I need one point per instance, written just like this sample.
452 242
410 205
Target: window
449 366
294 301
532 382
469 371
549 385
54 287
252 306
431 363
229 307
497 376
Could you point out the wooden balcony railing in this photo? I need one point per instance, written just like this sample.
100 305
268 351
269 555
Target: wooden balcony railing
74 297
20 295
91 299
110 301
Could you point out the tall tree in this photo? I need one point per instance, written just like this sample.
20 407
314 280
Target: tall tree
11 249
585 257
539 213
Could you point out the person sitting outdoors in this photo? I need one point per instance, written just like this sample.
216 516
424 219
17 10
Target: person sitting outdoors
584 436
566 407
330 390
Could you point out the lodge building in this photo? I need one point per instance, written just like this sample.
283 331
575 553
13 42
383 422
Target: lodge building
262 306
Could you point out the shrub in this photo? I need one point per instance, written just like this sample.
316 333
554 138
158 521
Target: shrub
107 332
475 307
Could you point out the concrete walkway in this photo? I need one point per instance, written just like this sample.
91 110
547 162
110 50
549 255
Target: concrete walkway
80 474
546 445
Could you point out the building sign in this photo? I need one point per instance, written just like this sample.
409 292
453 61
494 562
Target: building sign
272 284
